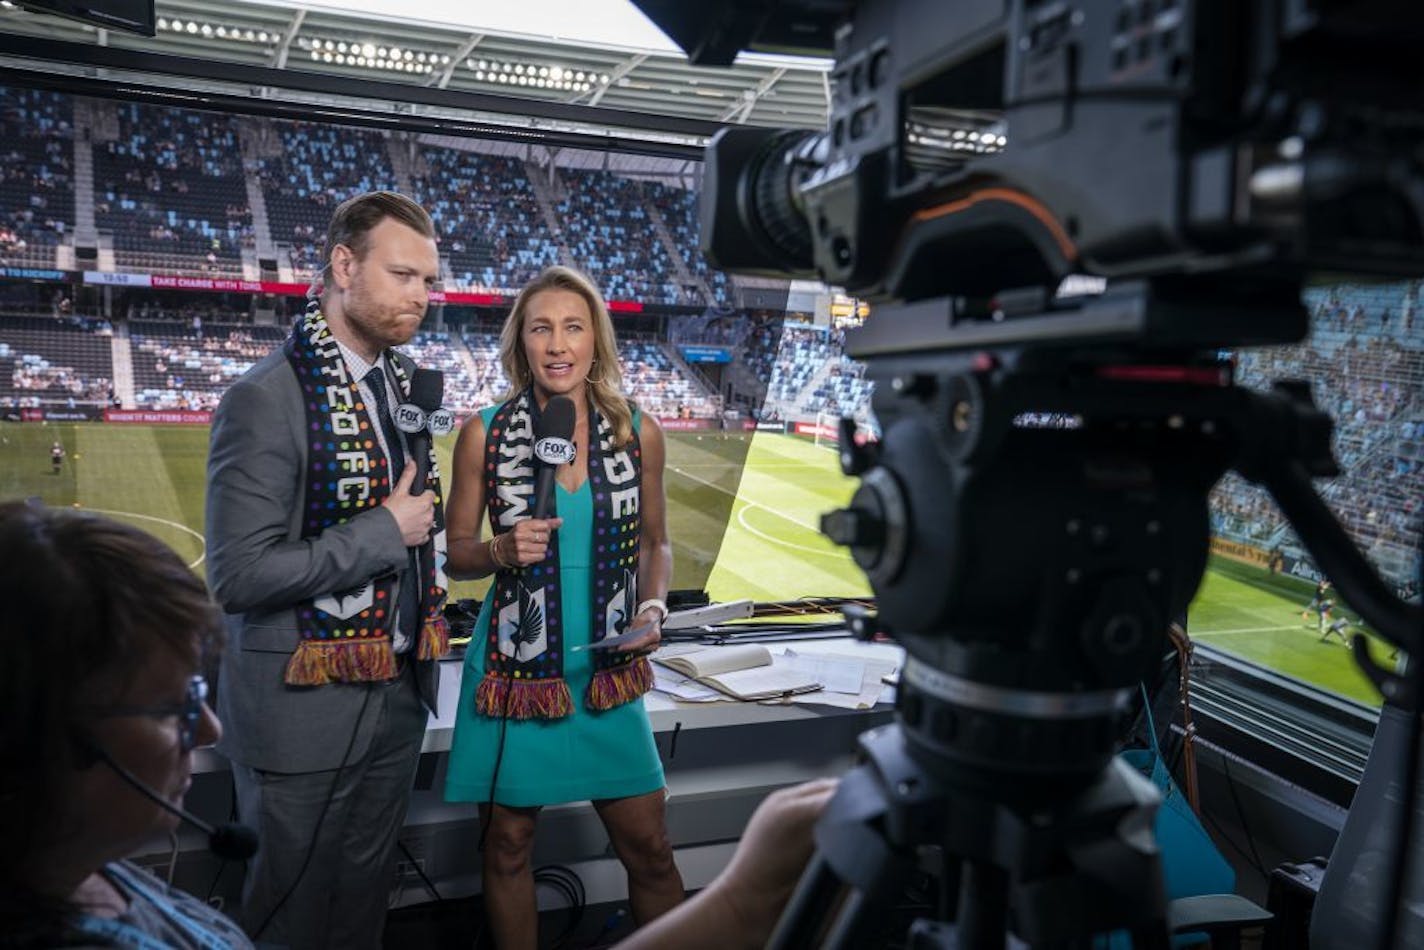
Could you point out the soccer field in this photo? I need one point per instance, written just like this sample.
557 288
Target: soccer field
743 514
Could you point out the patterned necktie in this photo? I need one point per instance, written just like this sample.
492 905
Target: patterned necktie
408 607
376 382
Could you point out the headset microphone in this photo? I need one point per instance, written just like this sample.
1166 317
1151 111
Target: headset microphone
231 841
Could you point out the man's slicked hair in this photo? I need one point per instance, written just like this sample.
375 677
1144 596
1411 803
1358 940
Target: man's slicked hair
354 219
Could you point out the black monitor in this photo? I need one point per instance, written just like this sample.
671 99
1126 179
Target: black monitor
134 16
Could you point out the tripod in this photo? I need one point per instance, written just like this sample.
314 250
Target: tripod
1076 862
1031 519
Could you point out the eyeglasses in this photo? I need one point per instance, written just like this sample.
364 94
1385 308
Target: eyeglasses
189 712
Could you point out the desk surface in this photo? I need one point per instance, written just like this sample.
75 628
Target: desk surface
666 713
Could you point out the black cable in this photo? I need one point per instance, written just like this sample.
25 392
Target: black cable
1241 816
321 818
567 877
1409 801
232 816
1221 833
429 885
213 887
498 759
566 882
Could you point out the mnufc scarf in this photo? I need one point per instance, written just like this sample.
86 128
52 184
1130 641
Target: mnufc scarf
524 676
346 635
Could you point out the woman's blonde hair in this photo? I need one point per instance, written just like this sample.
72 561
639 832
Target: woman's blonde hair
605 379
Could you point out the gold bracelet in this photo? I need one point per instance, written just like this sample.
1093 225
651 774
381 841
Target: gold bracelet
494 555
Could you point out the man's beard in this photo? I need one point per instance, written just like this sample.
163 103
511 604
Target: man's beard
377 324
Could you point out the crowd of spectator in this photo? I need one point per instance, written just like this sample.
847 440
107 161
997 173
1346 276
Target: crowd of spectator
805 369
307 250
843 391
491 230
678 208
172 182
761 343
434 350
171 188
36 174
178 367
659 386
36 376
714 326
611 236
55 360
316 168
1366 354
802 350
490 383
188 313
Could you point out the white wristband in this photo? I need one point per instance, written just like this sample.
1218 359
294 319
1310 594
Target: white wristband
656 602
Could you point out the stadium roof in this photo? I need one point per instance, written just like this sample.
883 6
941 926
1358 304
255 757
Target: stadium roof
322 57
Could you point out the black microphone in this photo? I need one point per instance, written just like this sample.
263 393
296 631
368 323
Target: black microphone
231 841
553 446
427 389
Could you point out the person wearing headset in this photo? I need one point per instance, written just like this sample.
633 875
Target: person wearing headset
103 640
127 708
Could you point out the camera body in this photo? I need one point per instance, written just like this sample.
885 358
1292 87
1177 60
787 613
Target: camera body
982 146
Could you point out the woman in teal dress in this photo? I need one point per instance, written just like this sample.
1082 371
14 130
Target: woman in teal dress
542 718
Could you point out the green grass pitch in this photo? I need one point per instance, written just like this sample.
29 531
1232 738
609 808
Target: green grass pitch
743 513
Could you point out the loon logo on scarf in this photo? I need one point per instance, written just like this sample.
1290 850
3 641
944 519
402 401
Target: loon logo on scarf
524 676
346 634
522 635
619 615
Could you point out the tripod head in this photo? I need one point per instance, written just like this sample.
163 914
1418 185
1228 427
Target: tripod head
1035 515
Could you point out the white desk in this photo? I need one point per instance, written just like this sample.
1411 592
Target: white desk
668 714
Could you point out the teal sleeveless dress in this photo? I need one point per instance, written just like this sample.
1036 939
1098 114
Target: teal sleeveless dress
585 755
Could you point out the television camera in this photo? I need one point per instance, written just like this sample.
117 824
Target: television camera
1062 213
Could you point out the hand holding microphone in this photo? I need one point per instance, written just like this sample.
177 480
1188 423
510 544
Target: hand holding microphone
528 541
414 511
419 418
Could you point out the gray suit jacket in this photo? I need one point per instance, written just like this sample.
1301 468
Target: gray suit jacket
260 568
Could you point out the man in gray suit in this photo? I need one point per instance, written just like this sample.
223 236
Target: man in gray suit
326 565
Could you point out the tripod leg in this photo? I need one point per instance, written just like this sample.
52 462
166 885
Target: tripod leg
804 919
983 906
827 912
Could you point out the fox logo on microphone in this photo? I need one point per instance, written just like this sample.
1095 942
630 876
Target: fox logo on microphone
553 450
409 418
441 422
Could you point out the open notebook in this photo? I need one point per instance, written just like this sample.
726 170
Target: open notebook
747 672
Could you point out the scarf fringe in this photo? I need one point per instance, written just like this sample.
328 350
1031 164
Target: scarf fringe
500 697
619 685
319 662
434 638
